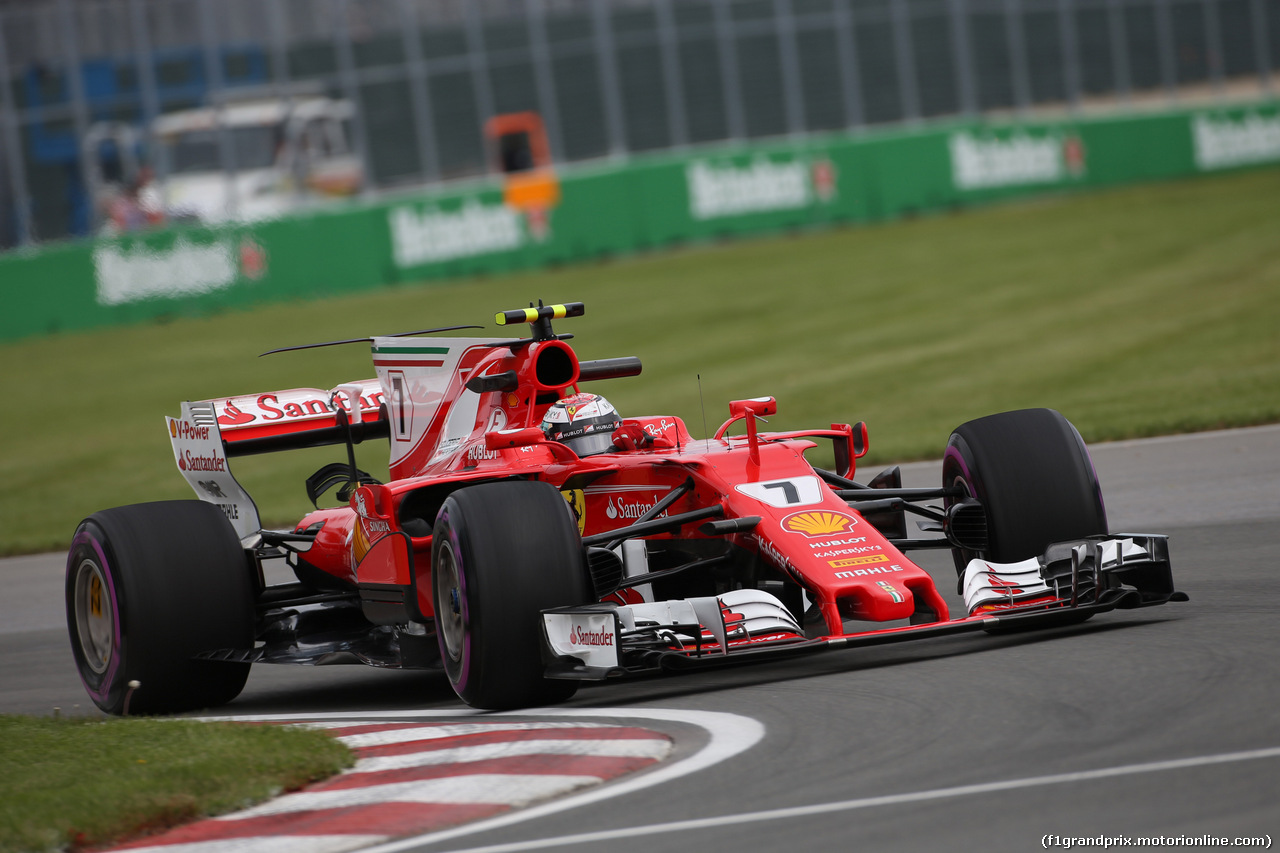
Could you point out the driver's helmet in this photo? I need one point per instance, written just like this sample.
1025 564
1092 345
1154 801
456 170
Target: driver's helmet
584 423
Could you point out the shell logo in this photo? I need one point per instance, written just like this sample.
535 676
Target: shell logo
360 542
818 522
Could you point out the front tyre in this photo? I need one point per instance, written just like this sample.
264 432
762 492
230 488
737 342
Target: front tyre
1033 475
148 586
500 554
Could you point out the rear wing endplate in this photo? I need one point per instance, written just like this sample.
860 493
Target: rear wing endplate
202 460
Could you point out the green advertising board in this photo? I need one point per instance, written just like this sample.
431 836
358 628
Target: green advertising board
603 210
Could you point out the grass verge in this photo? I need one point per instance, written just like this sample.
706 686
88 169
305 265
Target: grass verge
83 783
1139 311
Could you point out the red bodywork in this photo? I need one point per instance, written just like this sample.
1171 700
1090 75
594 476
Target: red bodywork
806 531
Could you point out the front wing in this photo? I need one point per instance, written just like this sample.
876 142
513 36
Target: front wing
1071 582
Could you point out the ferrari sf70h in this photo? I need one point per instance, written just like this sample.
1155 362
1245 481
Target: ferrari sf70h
530 538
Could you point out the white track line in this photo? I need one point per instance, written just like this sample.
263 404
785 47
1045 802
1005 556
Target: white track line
508 789
870 802
650 748
268 844
728 735
416 731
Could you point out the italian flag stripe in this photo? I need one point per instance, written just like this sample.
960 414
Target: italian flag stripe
406 362
413 350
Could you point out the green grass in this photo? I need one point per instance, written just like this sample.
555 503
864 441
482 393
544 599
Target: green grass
83 783
1140 311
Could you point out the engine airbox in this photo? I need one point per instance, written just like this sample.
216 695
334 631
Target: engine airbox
549 366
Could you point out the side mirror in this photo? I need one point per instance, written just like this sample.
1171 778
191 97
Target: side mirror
749 410
503 438
758 406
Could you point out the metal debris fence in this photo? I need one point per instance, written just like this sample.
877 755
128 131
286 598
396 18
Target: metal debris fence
610 78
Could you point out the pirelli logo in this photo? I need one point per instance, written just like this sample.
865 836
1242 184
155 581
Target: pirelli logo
850 562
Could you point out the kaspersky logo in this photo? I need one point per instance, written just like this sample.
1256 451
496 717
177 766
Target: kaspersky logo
823 522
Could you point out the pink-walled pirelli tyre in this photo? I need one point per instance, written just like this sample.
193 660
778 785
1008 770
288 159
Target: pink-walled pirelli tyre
149 586
500 554
1033 475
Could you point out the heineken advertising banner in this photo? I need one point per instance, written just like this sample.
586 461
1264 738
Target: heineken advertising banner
645 203
1224 141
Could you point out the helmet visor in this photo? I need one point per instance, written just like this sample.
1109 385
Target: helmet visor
591 443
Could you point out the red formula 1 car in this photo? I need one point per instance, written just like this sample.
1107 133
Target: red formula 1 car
531 538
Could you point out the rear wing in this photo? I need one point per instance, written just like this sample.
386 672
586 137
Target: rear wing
250 422
208 433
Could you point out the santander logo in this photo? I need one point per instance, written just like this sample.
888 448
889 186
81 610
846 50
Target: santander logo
618 508
188 461
580 636
232 416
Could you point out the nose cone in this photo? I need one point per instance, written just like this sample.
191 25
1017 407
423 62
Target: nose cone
873 593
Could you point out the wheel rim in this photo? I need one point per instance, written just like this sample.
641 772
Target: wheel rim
449 620
95 616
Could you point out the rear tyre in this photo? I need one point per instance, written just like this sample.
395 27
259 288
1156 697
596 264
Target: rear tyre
500 554
1033 475
148 586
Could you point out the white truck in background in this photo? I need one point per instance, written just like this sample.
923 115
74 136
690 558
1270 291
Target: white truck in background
281 154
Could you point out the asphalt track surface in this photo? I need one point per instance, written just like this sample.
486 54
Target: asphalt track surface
1159 722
